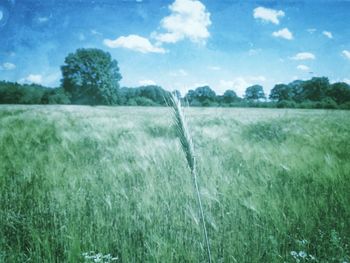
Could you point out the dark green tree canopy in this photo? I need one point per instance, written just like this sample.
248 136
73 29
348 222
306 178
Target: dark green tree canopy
177 94
90 76
150 95
200 95
190 96
254 92
281 92
314 93
230 96
205 92
339 92
315 89
15 93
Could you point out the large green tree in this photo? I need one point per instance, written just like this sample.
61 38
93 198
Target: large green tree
201 96
281 92
91 76
254 92
315 89
230 96
340 92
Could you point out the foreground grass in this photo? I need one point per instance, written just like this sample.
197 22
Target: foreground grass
275 185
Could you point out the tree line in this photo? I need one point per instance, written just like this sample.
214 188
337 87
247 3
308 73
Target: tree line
91 77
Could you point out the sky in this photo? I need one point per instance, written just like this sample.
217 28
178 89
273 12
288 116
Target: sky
180 44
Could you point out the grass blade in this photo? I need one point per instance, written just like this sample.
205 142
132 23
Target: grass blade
188 149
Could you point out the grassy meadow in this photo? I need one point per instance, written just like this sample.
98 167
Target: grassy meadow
275 185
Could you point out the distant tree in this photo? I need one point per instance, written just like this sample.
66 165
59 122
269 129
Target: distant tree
126 94
145 95
205 93
10 93
286 104
281 92
315 89
32 94
339 92
155 93
143 101
15 93
200 96
254 92
328 103
55 96
177 94
297 87
229 96
190 96
123 95
90 76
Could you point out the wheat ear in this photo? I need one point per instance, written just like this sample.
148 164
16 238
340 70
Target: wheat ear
188 149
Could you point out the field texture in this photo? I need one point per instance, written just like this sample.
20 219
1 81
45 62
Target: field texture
79 181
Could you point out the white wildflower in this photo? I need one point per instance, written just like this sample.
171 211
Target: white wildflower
294 253
302 254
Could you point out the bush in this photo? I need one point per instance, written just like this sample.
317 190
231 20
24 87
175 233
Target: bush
329 103
286 104
307 105
55 96
195 103
142 101
131 102
345 106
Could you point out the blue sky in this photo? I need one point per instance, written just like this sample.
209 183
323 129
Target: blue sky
180 44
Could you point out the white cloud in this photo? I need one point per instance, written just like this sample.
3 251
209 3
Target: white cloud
49 79
268 15
214 68
52 78
240 84
199 84
7 66
257 79
179 73
1 15
95 32
303 56
328 34
188 19
303 68
346 81
34 78
43 19
147 82
283 33
134 42
311 30
81 37
346 53
253 51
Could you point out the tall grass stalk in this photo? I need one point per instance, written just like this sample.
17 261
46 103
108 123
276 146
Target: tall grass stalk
187 147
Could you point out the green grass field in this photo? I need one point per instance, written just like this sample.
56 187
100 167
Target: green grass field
275 185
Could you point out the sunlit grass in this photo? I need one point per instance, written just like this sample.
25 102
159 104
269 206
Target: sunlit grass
113 180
